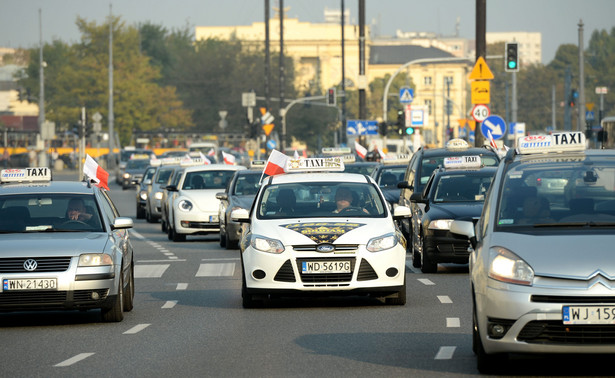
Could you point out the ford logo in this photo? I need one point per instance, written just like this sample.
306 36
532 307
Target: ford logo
325 248
30 265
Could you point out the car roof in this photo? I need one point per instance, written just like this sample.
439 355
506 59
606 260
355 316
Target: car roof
72 187
430 152
316 177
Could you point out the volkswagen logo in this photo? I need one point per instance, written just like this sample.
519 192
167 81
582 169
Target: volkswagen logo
325 248
30 265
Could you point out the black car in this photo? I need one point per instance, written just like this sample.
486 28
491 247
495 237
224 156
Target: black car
450 194
240 193
387 176
142 190
133 172
362 167
425 161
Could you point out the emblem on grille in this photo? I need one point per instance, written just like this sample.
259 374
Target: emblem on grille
30 265
325 248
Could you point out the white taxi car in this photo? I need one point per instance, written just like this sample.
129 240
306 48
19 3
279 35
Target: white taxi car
542 270
63 246
193 206
321 231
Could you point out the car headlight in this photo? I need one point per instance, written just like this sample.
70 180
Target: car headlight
185 205
382 243
158 195
126 175
264 244
95 259
440 224
143 195
505 266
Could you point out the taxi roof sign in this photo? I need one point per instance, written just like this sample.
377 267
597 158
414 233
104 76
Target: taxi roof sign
556 142
457 144
336 150
257 164
463 162
396 159
326 164
35 174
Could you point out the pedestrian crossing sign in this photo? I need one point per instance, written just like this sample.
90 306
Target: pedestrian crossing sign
406 95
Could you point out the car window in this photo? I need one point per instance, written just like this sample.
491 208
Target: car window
137 164
389 177
210 179
461 188
163 175
246 185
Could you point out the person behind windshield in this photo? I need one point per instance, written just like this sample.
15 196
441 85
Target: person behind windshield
344 200
76 210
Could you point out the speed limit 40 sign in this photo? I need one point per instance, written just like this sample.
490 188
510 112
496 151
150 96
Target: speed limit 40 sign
480 112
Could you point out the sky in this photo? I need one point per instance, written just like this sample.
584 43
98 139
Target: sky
557 20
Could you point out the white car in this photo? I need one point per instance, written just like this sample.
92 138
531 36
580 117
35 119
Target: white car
542 270
299 242
193 206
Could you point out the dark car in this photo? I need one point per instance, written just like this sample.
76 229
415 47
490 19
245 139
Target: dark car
363 167
133 172
240 193
425 161
142 190
124 156
387 176
450 194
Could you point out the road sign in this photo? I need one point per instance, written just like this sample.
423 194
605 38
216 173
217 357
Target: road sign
417 117
248 99
361 127
589 116
481 70
480 112
268 128
495 124
406 95
480 92
271 144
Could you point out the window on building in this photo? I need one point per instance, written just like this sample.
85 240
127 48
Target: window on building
427 103
448 79
427 80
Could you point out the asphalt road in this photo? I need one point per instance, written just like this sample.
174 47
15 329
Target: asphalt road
188 321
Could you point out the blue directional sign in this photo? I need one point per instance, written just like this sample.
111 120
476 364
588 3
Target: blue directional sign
495 124
271 144
406 95
361 127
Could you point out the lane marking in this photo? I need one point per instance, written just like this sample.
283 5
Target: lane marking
444 299
169 304
155 261
181 286
453 323
222 259
74 360
136 234
137 328
425 281
445 353
216 270
150 271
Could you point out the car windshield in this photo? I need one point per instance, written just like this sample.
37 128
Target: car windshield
49 213
429 164
247 185
210 179
137 164
558 194
321 199
461 187
389 177
364 169
163 176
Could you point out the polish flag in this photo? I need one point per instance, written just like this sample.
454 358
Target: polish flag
276 164
95 173
361 151
211 152
491 141
296 155
206 161
228 158
381 153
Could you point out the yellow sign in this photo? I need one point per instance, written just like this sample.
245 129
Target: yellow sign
481 70
463 122
589 106
268 128
480 91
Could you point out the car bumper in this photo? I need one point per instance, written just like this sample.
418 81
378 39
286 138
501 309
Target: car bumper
534 317
443 247
202 223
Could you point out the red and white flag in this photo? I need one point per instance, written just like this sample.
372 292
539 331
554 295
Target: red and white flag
296 155
211 152
381 153
206 161
491 141
361 151
276 164
95 173
228 158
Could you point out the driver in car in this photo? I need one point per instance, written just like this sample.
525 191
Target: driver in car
344 200
76 210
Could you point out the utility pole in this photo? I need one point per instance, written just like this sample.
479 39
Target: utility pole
283 141
581 105
342 133
362 78
481 51
111 117
42 157
567 110
267 56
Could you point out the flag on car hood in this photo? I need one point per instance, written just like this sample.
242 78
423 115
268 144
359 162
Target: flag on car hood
95 173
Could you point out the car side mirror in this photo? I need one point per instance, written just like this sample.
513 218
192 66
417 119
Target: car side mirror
148 182
465 228
120 223
171 188
222 196
418 198
240 215
402 185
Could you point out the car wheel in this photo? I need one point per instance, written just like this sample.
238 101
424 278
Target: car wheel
400 299
140 212
485 363
129 294
416 253
177 237
247 300
169 232
427 263
223 238
116 312
231 244
163 225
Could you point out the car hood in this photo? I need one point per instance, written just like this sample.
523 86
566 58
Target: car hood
462 211
203 199
319 230
52 243
567 256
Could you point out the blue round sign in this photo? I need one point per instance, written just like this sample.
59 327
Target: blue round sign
494 124
271 144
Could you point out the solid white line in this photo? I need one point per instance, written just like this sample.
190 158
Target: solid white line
74 360
445 353
181 286
222 259
453 323
425 281
137 328
136 234
169 304
444 299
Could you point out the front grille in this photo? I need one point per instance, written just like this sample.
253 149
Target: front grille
50 299
366 272
285 273
554 332
571 300
44 264
455 248
85 296
326 277
201 225
338 247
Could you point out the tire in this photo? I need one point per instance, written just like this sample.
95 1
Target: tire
231 244
140 212
427 263
247 300
416 254
400 300
485 363
116 312
163 225
223 239
169 232
177 237
129 294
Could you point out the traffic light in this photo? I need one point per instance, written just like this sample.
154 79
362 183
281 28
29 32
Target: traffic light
383 128
254 129
89 128
512 57
409 130
574 95
401 121
331 96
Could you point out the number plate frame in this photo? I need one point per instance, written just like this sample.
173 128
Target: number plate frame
597 315
326 267
26 284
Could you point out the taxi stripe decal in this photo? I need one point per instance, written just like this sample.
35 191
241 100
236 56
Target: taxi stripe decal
323 232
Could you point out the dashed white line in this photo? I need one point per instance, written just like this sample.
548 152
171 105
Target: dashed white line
137 328
445 353
169 304
453 323
74 360
444 299
216 270
425 281
181 286
150 271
